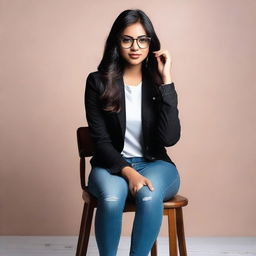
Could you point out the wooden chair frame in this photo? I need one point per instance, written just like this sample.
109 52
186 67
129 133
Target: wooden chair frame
172 207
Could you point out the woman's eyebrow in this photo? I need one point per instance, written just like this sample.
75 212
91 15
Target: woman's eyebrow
132 37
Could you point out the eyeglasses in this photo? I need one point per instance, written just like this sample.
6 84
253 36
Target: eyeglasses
143 42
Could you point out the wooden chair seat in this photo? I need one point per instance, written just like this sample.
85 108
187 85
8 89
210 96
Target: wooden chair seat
176 202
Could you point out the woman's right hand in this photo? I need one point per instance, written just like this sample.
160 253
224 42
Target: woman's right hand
135 179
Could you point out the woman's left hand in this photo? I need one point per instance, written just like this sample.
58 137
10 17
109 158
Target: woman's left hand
164 65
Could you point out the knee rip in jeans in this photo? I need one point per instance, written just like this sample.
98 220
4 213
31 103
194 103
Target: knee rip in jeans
146 198
111 198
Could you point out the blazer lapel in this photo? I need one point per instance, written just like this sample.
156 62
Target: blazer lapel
146 104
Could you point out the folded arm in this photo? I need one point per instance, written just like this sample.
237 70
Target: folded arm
168 128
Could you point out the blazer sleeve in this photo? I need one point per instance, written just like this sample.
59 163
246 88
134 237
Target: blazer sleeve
98 131
168 128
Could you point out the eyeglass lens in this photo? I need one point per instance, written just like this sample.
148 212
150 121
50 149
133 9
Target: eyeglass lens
143 42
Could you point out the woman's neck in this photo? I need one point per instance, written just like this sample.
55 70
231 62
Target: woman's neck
132 75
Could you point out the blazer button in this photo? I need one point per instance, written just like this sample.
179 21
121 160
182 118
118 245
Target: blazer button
146 147
154 98
153 158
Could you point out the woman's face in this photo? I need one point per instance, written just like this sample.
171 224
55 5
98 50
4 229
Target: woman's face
135 30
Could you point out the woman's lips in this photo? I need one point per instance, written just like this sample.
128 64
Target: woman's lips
134 56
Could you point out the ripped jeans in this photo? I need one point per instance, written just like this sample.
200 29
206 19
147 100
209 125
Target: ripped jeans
112 191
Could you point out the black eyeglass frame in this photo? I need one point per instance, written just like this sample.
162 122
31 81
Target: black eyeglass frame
139 37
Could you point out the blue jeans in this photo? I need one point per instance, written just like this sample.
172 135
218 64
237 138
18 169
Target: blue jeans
112 191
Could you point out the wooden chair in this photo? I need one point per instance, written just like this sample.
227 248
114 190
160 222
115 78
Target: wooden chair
172 207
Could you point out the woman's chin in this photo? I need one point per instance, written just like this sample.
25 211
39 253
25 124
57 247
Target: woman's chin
134 62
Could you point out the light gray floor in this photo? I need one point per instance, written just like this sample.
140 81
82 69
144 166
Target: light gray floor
66 246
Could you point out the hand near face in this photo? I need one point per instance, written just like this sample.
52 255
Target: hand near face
164 65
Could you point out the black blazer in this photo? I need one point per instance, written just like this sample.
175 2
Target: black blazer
160 122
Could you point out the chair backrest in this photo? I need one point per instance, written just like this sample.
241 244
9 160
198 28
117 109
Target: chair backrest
86 148
85 143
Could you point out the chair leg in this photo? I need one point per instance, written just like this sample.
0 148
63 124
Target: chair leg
180 232
154 249
85 229
172 232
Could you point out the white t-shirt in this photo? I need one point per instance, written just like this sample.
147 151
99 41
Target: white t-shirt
133 133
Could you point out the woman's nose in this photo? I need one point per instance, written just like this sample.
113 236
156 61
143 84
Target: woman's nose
135 45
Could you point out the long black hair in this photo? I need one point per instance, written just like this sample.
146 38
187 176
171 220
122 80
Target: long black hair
112 64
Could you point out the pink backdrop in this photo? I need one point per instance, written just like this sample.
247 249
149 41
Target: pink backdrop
47 50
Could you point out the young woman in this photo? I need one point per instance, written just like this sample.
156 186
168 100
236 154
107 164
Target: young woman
131 109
